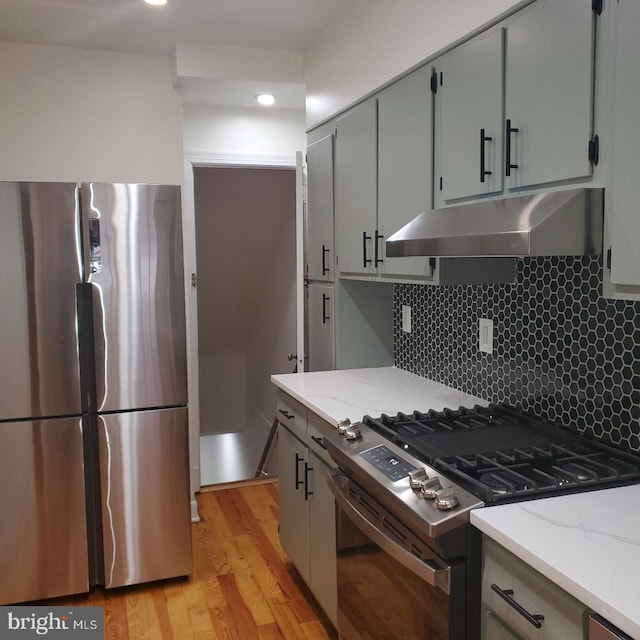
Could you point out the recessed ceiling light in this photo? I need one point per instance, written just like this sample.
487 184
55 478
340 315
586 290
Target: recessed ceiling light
265 99
156 3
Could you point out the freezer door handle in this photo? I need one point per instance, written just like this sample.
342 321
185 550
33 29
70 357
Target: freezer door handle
100 346
95 251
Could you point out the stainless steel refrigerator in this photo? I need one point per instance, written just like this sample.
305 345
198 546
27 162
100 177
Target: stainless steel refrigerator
94 469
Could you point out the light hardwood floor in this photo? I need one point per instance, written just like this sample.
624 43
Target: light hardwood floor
243 585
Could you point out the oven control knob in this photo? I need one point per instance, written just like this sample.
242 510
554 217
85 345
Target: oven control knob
446 499
417 477
353 432
430 488
343 425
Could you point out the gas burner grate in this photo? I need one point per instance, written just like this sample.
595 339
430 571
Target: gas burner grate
447 420
540 471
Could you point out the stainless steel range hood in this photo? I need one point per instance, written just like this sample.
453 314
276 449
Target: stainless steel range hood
566 222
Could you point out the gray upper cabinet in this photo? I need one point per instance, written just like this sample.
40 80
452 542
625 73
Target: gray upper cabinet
624 213
320 253
469 119
538 64
383 176
548 93
404 165
356 189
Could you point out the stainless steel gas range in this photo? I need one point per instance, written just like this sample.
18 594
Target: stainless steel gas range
409 562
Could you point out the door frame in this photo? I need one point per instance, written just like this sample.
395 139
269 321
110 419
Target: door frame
192 160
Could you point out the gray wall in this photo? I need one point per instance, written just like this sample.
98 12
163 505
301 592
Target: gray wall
245 246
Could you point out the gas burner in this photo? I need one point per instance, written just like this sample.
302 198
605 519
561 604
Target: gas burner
579 472
503 483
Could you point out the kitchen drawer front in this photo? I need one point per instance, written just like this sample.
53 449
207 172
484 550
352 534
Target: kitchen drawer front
292 414
316 429
564 616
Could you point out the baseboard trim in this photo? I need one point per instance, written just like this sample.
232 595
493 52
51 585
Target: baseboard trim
195 516
236 485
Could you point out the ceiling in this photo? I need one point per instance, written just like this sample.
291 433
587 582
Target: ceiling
134 27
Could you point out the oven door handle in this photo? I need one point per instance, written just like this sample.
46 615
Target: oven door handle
432 575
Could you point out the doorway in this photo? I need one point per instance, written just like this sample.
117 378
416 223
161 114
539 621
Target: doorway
245 228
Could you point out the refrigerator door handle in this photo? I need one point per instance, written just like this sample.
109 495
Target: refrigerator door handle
95 251
100 347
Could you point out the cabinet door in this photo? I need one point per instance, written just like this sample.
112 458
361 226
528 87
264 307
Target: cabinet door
405 172
624 215
320 327
549 92
356 188
320 256
468 106
294 533
322 539
495 630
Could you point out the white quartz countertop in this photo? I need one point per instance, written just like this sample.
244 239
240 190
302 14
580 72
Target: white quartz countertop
587 543
354 393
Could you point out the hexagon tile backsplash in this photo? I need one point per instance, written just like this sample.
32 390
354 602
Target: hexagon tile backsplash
560 350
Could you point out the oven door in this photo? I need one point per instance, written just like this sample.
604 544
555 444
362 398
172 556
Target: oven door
391 584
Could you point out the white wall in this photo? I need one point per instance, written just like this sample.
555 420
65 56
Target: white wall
70 114
376 40
248 132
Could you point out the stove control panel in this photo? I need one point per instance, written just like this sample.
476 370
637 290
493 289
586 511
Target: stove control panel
391 465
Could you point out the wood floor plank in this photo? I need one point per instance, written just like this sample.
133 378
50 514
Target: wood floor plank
265 510
142 620
270 632
243 586
197 607
281 572
287 619
116 625
177 612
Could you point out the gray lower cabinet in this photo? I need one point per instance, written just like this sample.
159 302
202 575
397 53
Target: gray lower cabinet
518 603
307 507
320 327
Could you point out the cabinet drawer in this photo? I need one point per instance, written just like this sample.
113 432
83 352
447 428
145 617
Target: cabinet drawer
564 616
316 429
292 414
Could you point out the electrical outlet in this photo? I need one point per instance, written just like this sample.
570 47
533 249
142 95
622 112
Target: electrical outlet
485 335
406 318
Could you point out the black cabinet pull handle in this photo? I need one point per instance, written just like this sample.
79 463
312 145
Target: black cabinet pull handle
377 260
508 164
286 414
299 459
365 260
307 493
483 139
325 269
319 441
325 317
534 618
